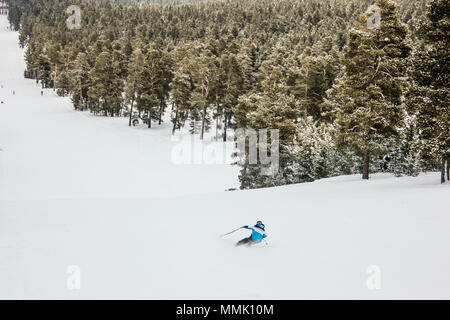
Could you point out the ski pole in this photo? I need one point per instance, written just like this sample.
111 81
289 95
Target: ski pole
266 242
231 232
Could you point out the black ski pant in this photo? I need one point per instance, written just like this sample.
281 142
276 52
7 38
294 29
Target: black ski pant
246 241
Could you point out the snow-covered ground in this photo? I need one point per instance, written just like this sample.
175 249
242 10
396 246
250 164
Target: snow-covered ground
78 190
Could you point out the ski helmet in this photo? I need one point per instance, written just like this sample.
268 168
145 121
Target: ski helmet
259 222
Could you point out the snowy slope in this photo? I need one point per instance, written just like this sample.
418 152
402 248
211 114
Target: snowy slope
92 192
50 151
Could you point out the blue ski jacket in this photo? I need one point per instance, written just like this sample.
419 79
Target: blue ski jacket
258 232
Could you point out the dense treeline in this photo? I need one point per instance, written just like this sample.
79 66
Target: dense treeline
345 98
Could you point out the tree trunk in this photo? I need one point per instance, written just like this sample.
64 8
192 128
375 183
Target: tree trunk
56 75
443 170
217 129
149 119
81 95
217 116
203 123
225 129
160 113
448 168
366 163
244 177
131 112
175 122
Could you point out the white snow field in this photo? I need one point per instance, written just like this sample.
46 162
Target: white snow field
90 192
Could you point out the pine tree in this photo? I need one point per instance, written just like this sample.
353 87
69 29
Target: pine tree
44 68
80 82
101 83
181 94
30 59
368 97
314 153
135 70
63 83
231 86
274 110
406 156
54 54
430 91
165 77
117 78
203 77
153 82
313 78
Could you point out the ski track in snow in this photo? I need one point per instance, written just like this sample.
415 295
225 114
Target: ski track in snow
92 192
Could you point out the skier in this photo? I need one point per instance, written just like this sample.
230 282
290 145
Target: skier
258 234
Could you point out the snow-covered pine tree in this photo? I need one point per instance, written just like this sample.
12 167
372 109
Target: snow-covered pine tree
232 87
104 91
63 83
405 157
203 71
275 110
155 80
147 100
181 93
132 88
313 76
80 82
368 97
315 154
430 91
44 68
